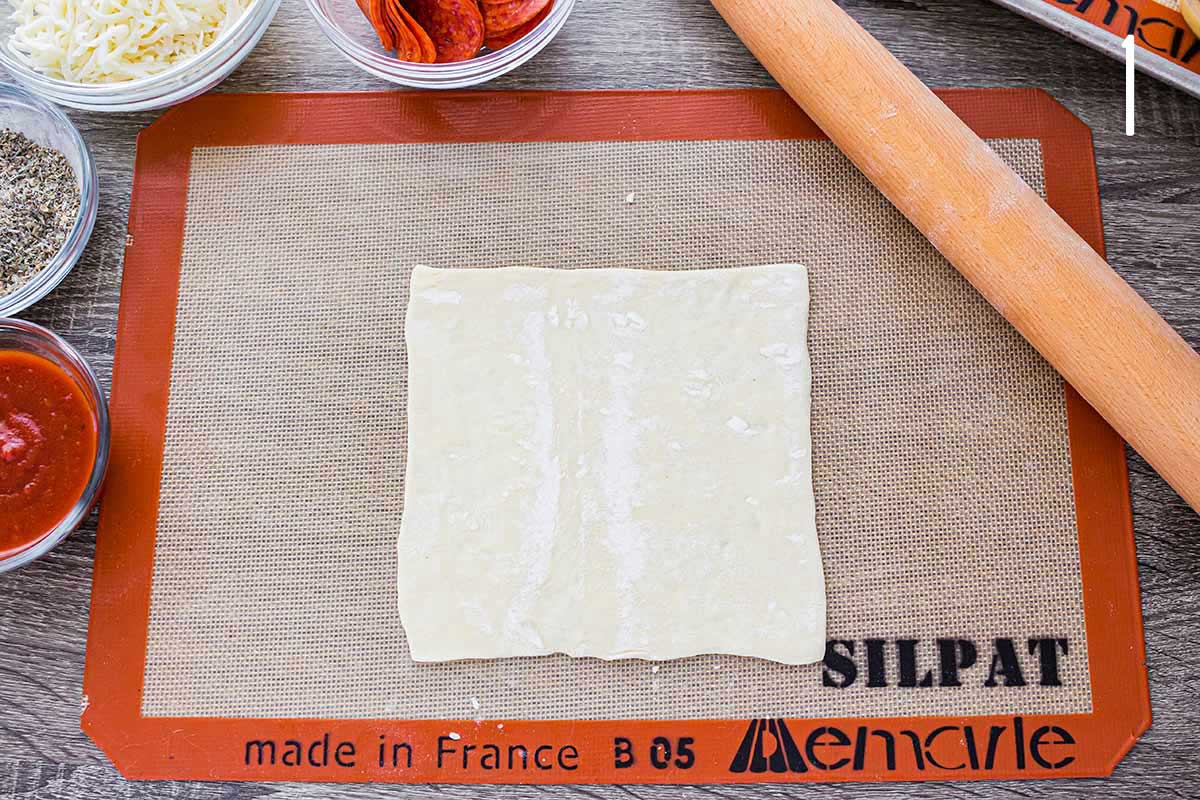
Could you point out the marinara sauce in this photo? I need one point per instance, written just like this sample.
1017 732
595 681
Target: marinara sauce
48 442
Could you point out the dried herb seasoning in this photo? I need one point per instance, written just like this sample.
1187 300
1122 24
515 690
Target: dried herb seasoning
39 200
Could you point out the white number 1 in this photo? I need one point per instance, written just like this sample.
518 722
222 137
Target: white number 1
1129 46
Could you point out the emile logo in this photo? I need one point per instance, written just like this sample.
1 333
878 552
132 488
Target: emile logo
768 746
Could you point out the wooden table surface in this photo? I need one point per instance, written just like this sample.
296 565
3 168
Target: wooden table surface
1151 194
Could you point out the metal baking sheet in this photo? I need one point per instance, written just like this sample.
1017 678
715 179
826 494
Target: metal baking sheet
1167 48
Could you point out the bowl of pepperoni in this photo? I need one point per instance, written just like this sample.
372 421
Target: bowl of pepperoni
53 441
440 44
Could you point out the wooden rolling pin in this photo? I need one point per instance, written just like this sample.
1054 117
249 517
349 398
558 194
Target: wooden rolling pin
1059 293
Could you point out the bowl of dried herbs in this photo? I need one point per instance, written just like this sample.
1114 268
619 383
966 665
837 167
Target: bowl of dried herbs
48 198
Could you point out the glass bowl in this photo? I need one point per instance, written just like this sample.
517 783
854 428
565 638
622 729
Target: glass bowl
46 125
350 32
25 336
173 85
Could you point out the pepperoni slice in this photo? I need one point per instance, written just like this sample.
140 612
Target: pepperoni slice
506 15
407 48
455 27
373 11
398 31
420 47
505 38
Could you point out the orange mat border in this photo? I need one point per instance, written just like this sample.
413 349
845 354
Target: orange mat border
214 748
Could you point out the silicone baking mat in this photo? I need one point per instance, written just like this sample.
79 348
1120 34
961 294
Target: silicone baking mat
973 512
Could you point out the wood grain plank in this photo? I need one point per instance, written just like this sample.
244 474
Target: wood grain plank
1150 188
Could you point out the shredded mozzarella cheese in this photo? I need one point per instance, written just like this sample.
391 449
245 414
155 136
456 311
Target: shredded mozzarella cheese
109 41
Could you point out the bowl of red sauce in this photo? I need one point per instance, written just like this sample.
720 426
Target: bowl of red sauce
53 441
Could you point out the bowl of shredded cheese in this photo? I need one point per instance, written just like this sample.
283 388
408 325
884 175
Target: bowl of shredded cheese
128 55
